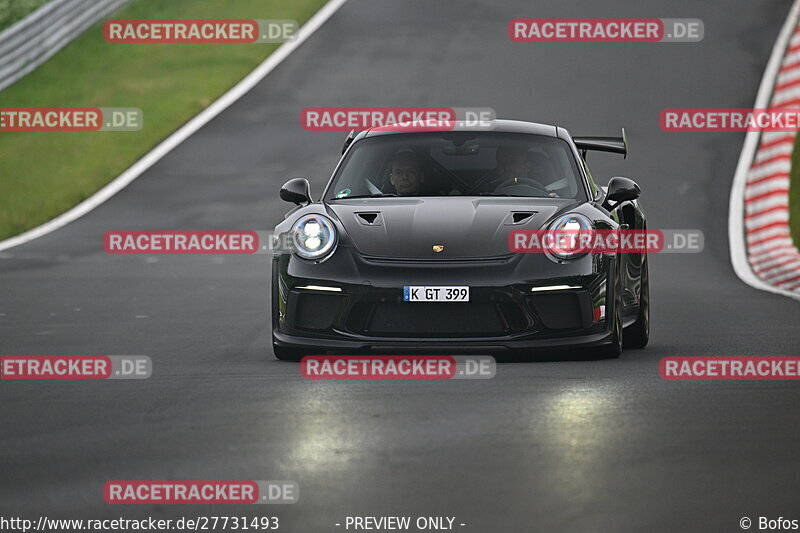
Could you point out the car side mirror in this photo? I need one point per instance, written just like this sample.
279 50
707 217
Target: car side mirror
621 190
296 191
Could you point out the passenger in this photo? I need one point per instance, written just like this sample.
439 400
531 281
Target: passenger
406 173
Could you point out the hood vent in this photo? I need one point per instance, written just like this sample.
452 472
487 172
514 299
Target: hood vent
369 219
518 217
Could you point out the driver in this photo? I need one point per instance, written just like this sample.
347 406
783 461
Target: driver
406 173
511 166
511 163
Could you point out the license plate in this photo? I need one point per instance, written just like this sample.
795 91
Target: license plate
435 294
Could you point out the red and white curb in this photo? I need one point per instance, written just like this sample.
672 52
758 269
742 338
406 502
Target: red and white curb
762 251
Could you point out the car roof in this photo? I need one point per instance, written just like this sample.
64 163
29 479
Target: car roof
499 125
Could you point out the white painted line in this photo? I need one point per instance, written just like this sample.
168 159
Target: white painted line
168 144
736 234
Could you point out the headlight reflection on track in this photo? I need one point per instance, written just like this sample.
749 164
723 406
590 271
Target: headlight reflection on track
583 438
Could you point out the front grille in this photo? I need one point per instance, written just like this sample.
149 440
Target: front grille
435 319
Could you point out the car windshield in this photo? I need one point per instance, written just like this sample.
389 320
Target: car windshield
458 164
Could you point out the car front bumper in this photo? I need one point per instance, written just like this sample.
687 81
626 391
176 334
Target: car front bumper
356 304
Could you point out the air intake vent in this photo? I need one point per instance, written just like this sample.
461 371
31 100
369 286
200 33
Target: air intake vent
520 217
369 219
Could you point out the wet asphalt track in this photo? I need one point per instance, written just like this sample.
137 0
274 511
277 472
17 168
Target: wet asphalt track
566 446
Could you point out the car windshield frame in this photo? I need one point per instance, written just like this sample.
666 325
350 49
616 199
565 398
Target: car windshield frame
581 192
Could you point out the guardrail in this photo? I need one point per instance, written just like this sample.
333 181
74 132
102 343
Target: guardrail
34 39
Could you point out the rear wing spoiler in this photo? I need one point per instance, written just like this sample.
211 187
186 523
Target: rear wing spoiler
617 145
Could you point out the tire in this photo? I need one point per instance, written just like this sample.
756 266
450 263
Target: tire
638 334
614 350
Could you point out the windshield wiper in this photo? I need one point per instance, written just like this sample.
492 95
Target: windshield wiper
378 195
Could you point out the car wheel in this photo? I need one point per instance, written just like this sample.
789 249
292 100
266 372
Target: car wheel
614 350
638 334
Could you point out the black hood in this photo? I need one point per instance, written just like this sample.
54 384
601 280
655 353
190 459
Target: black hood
466 227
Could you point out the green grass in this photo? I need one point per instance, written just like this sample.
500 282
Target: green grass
43 174
13 10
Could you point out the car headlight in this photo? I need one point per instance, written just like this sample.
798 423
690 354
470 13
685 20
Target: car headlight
314 236
565 233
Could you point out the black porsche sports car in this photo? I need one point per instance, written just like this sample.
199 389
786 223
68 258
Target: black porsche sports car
407 249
